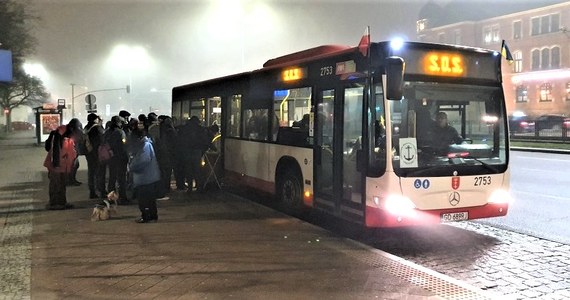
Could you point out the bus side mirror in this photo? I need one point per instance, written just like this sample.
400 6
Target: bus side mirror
395 66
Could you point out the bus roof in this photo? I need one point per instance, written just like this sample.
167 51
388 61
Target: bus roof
308 54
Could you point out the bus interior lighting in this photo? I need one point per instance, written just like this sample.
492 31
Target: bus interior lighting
459 154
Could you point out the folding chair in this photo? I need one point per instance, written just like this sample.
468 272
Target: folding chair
212 169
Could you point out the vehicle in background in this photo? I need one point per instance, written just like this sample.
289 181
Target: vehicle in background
521 124
22 125
555 122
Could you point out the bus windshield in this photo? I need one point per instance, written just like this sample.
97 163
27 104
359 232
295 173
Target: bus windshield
441 128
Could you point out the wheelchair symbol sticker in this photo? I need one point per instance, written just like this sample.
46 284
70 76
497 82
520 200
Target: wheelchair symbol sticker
418 184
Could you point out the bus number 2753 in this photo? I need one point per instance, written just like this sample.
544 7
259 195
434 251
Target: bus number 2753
482 180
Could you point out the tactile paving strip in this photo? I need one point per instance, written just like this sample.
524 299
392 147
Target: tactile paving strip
439 284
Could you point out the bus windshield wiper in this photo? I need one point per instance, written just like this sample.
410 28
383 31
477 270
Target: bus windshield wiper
484 164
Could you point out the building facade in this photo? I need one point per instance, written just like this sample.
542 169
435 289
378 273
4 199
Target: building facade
538 81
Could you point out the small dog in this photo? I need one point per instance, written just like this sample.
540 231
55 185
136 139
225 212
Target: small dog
103 212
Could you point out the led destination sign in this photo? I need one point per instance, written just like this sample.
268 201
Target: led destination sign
450 63
444 64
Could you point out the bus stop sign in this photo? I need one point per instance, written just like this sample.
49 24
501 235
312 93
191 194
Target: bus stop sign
90 99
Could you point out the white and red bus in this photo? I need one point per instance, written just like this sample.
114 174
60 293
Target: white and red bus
353 133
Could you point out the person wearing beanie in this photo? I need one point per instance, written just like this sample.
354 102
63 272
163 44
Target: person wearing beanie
125 115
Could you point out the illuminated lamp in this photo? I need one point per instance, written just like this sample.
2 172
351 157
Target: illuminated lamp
397 43
501 197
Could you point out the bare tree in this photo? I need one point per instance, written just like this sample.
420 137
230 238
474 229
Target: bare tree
16 24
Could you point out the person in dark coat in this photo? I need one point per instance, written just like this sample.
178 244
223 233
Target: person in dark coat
194 142
146 177
169 136
59 162
117 140
444 134
95 170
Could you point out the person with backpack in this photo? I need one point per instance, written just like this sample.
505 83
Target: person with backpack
93 136
59 161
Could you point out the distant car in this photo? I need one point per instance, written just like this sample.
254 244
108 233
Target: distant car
521 124
556 122
22 125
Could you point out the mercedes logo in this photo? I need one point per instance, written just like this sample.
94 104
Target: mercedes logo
454 198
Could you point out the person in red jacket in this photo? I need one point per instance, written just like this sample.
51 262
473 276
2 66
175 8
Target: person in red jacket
60 163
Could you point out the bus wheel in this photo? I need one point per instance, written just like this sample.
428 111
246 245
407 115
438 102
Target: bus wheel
290 190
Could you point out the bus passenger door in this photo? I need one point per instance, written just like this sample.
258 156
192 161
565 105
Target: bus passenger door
338 134
351 193
324 151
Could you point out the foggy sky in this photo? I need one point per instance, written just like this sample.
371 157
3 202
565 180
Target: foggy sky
191 41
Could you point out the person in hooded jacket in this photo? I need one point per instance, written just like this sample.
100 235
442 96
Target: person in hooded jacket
117 139
145 171
59 161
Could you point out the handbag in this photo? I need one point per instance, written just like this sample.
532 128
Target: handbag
104 152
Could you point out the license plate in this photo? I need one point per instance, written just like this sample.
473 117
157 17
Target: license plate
452 217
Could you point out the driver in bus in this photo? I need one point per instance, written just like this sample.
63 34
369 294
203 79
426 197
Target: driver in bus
444 134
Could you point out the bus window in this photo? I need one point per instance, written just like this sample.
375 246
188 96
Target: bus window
292 110
255 124
234 116
214 111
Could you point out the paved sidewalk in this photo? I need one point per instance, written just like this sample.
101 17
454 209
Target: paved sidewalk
216 246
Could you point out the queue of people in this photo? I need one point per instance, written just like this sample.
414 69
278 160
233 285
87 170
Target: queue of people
138 155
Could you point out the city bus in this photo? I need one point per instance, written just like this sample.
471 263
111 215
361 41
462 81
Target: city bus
352 131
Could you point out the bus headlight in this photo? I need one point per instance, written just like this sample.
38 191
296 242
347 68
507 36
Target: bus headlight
399 205
501 197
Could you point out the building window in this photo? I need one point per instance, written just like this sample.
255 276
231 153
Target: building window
555 23
535 29
555 57
491 34
487 35
545 59
518 63
457 37
545 92
535 61
522 93
421 25
441 37
517 30
496 36
545 24
568 91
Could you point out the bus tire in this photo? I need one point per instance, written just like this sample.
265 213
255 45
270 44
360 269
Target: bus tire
290 190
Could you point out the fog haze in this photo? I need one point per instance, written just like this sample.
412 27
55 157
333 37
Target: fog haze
189 41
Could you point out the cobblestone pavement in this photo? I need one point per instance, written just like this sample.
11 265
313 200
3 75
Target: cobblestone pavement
17 191
493 259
